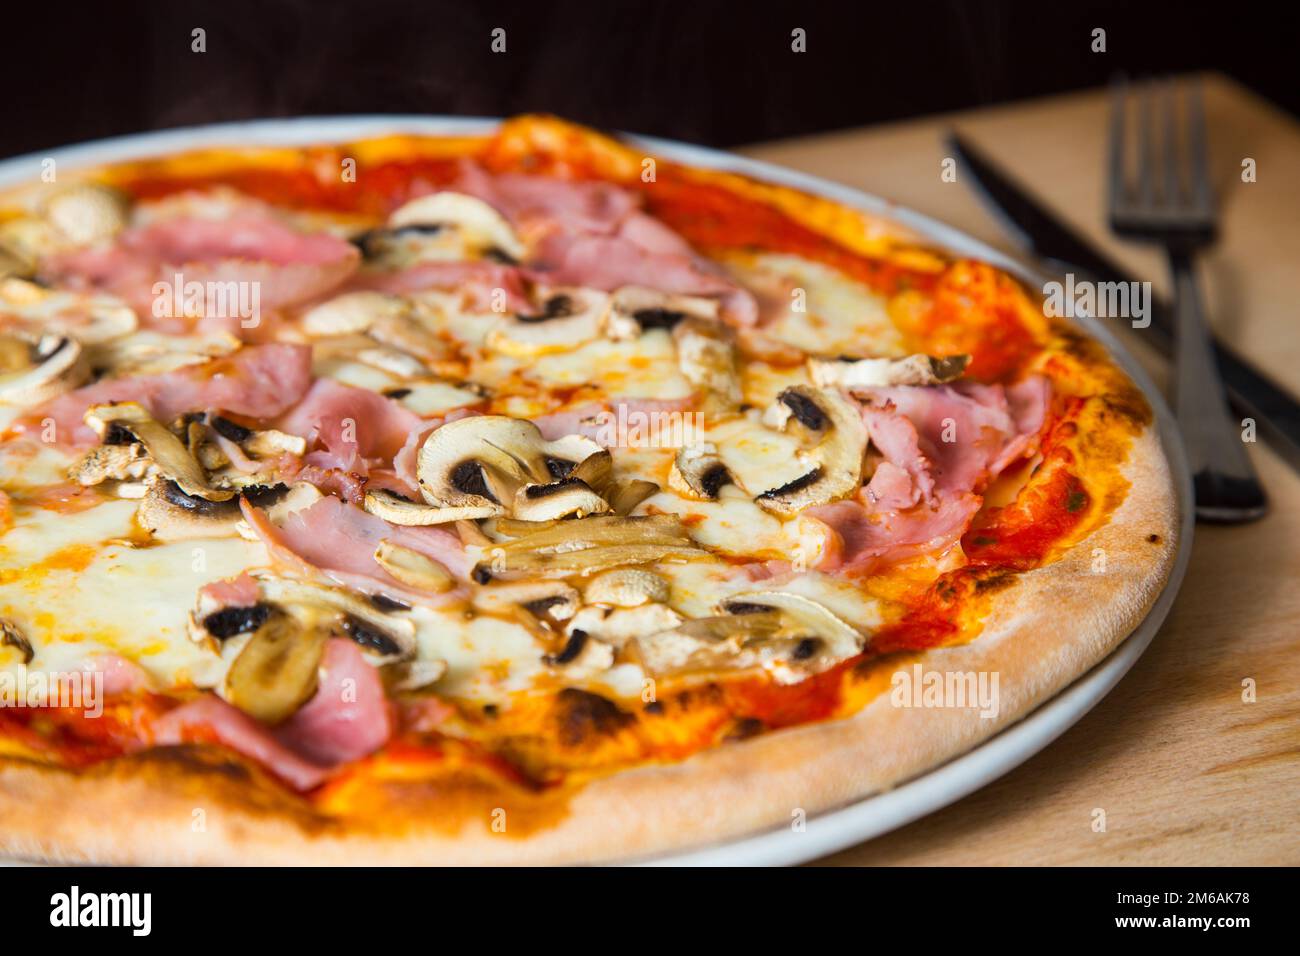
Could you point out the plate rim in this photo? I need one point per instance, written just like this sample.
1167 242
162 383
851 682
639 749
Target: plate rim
829 831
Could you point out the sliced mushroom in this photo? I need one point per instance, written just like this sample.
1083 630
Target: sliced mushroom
353 312
90 318
788 635
168 513
413 568
553 601
632 310
415 675
277 670
870 373
838 441
591 545
12 636
129 462
706 355
394 361
168 453
87 212
626 587
476 223
503 464
618 626
581 655
398 510
36 372
568 319
698 472
384 638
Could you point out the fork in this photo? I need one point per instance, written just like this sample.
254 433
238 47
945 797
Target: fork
1177 211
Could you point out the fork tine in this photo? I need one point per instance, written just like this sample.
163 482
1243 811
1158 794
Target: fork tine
1172 192
1145 180
1118 114
1201 192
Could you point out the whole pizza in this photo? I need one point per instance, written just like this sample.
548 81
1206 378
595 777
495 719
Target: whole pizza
524 498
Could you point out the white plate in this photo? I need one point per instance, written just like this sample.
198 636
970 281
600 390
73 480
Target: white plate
836 829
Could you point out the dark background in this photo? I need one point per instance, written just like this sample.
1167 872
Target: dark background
714 73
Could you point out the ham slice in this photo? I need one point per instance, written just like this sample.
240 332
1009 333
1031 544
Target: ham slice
339 539
348 718
478 280
259 381
940 445
531 201
210 719
350 424
248 246
239 591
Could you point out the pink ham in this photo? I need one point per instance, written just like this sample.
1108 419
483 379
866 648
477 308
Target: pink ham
249 246
528 201
350 425
239 591
925 492
339 539
259 381
348 718
864 541
118 674
209 718
479 280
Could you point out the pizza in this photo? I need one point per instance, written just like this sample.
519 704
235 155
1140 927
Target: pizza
524 498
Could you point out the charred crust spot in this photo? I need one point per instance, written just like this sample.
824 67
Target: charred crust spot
467 477
491 710
583 715
1154 538
385 603
230 621
657 318
994 581
798 484
804 410
572 648
231 430
713 480
199 506
745 728
805 649
366 636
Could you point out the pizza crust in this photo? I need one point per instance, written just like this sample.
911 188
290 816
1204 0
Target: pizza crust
194 804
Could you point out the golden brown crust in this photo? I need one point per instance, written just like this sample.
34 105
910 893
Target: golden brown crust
195 805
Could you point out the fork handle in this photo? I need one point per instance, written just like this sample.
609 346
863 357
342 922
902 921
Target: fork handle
1227 488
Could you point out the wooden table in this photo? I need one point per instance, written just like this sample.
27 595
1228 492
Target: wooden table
1186 771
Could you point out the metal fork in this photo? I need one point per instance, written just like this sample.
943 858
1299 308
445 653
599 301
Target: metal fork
1172 204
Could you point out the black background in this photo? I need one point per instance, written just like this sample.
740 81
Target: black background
709 72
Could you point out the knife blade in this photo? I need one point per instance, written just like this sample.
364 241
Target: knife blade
1252 393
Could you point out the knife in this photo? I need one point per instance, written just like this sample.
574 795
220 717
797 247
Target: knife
1252 393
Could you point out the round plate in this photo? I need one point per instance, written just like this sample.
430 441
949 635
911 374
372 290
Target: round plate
832 830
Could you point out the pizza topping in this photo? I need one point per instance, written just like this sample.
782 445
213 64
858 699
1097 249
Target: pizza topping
87 212
36 371
505 466
706 354
835 428
698 472
563 548
167 452
625 587
169 514
788 635
476 226
230 621
90 319
632 310
275 672
853 374
567 320
413 568
12 636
